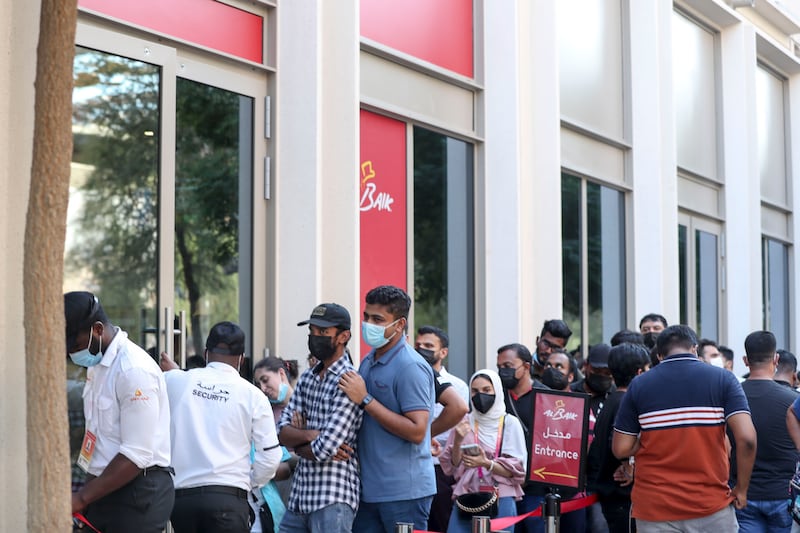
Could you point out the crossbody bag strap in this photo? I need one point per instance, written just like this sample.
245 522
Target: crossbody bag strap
514 408
500 433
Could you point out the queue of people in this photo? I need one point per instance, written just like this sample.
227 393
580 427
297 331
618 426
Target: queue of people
677 443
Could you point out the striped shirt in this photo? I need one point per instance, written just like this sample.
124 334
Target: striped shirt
679 410
317 484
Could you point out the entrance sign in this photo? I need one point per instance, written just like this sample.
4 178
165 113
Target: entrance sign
559 436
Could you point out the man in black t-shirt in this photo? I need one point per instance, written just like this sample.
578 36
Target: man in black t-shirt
606 475
767 495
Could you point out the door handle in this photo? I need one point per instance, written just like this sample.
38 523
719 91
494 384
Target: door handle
181 334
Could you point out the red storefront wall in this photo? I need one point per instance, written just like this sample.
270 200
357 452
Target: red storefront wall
436 31
205 22
382 181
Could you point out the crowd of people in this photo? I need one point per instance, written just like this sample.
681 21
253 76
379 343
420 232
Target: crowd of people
677 442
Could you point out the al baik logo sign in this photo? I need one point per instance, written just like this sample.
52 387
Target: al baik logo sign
371 198
560 412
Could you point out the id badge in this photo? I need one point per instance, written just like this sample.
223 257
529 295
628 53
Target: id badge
87 450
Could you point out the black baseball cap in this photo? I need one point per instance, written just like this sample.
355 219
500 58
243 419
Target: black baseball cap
225 338
327 316
81 310
598 355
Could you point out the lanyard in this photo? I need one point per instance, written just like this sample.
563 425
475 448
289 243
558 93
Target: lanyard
499 435
499 441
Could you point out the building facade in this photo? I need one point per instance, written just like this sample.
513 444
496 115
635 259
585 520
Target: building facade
505 162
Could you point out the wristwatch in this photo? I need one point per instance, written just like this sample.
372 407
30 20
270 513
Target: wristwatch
365 401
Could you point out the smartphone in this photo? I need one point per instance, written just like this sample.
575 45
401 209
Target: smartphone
470 449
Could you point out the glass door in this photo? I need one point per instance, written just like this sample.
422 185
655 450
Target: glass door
113 223
161 209
213 182
700 274
161 193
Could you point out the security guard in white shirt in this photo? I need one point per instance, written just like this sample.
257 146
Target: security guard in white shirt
217 417
126 448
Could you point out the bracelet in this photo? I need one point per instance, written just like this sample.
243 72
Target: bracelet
491 466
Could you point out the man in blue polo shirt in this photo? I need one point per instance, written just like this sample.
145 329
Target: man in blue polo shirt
395 388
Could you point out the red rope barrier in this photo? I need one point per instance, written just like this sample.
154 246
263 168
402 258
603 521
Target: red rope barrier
566 507
80 518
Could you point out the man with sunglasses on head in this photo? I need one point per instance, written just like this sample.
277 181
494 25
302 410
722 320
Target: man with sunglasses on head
126 447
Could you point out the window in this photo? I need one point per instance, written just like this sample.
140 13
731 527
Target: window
694 87
775 276
443 241
593 260
590 63
771 136
699 275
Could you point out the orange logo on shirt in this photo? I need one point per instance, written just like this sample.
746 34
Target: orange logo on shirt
138 395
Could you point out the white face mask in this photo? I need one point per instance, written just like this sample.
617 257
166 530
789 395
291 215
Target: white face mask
718 362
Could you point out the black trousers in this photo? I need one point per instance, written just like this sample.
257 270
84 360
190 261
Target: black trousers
141 506
442 504
211 509
618 517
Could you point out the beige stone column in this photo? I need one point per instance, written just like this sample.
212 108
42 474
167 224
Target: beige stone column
45 228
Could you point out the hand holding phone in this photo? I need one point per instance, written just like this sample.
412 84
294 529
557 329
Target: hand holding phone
470 449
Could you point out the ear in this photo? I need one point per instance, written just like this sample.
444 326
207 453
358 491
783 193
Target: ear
746 362
444 353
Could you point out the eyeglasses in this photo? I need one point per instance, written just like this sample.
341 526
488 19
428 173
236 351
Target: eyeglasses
551 345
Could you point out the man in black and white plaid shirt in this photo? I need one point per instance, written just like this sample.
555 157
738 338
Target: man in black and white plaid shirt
321 424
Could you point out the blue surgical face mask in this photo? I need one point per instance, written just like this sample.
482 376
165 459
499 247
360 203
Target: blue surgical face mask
283 390
373 334
85 357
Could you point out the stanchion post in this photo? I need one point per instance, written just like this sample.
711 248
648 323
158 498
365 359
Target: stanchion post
481 524
551 513
404 527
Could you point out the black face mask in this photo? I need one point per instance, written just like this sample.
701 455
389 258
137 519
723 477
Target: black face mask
599 384
507 377
321 347
650 339
482 402
428 355
554 379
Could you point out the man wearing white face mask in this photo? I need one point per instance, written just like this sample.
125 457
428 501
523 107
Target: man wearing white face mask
395 388
216 417
126 447
708 351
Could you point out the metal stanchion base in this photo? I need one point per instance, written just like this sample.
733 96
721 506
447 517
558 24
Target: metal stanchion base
551 513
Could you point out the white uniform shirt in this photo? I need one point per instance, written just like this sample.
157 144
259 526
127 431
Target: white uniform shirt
216 415
462 389
126 407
